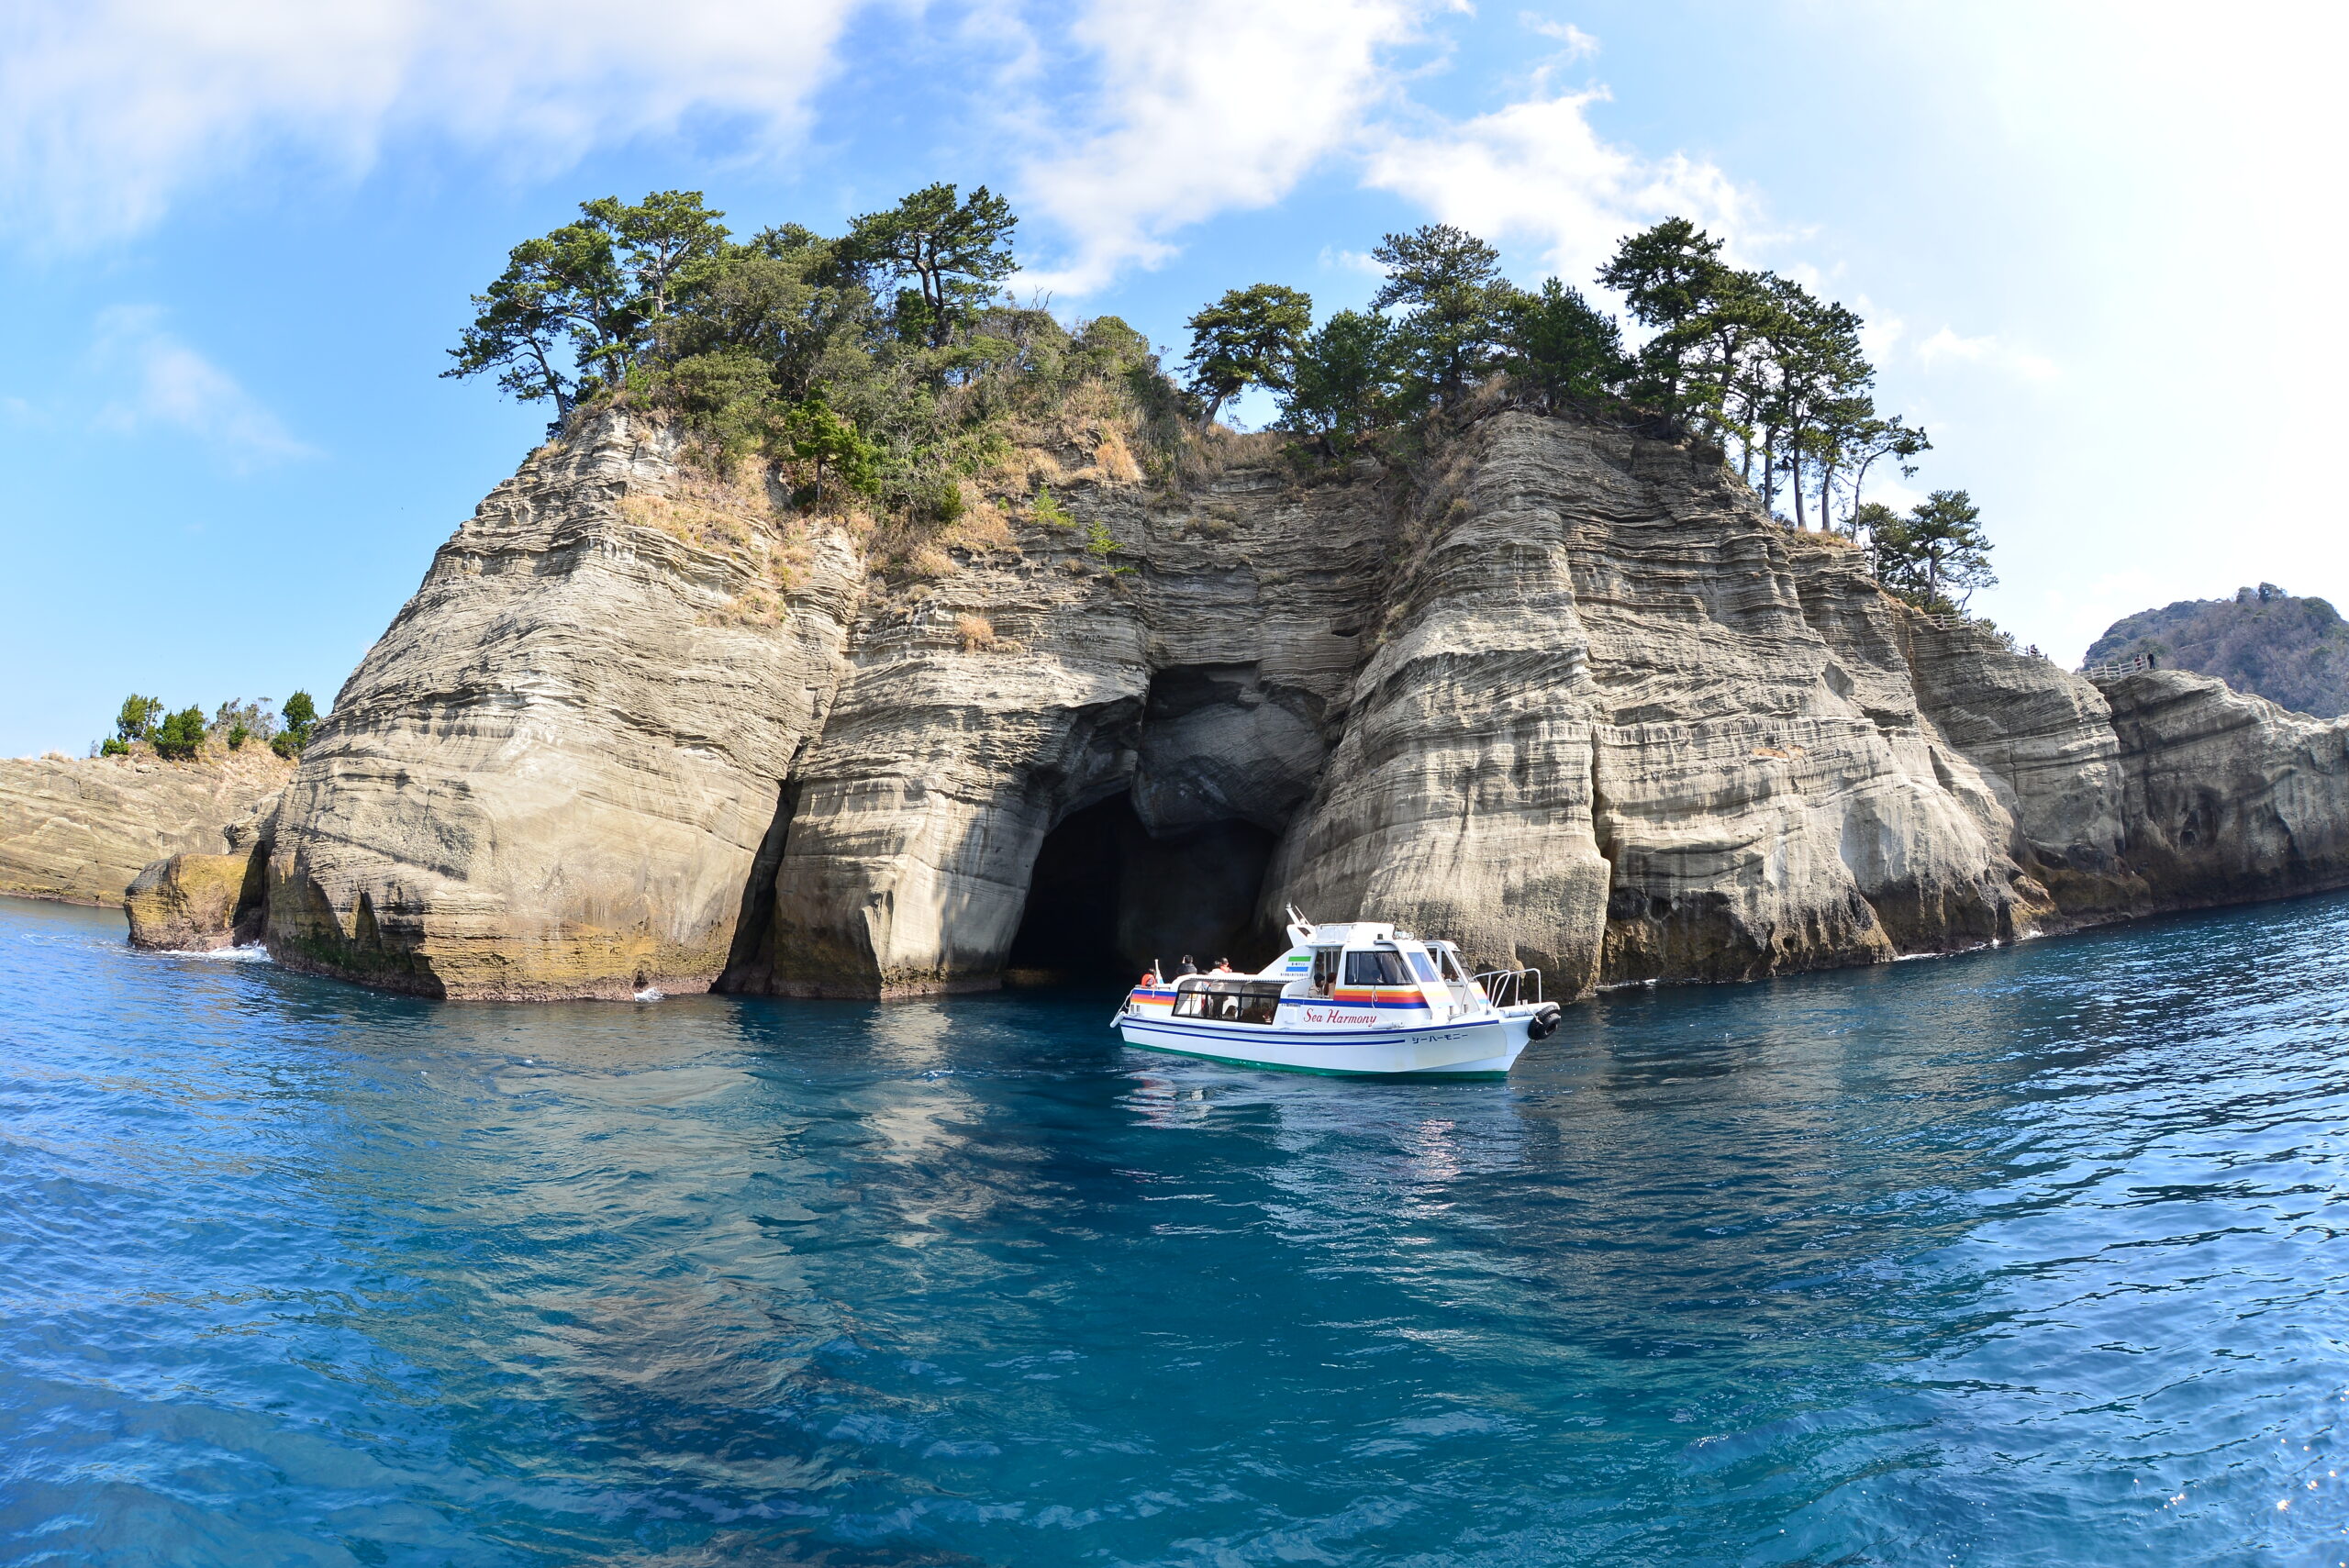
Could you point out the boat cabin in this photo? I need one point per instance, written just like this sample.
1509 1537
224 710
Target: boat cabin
1356 975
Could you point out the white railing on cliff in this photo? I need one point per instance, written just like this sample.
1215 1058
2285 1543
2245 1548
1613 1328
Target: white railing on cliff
2112 670
1962 622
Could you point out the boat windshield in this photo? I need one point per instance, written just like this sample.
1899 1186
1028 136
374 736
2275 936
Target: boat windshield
1451 970
1422 966
1381 967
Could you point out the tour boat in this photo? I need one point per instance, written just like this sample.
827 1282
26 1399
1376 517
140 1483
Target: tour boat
1358 998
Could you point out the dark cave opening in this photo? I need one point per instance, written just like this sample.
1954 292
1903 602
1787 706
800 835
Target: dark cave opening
1107 898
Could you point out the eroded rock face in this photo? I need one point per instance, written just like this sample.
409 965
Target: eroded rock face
1623 727
551 775
199 903
80 830
2228 797
1565 696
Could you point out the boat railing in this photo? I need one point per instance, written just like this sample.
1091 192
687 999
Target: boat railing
1511 987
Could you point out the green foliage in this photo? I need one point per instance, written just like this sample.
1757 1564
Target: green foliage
1047 510
1937 556
180 734
888 364
955 251
1558 343
137 717
111 746
1249 338
301 718
1456 304
1344 381
824 440
1673 279
1101 544
238 735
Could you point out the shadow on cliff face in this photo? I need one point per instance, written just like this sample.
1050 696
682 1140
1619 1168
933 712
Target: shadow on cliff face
1108 898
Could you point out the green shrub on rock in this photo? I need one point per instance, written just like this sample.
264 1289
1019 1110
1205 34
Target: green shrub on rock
301 717
179 736
137 720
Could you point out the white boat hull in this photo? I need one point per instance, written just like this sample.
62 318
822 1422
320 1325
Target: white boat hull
1485 1047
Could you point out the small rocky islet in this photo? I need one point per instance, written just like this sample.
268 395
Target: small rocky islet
852 640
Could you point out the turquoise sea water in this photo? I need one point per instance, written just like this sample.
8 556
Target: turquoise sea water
2027 1257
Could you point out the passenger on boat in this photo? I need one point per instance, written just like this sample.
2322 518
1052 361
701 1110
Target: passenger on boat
1223 966
1189 966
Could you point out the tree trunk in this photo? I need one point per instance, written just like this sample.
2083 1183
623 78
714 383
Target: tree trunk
1793 476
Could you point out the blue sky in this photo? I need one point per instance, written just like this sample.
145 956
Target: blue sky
2094 243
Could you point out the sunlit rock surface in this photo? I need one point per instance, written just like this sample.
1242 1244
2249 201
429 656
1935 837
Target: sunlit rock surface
1560 693
81 830
551 775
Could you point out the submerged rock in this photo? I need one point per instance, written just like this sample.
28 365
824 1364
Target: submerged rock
1563 694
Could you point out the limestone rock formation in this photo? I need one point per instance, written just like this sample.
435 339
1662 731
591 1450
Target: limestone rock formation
1562 692
198 903
80 830
553 774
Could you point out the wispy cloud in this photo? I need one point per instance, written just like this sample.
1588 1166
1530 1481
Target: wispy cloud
1945 347
111 111
169 386
1578 45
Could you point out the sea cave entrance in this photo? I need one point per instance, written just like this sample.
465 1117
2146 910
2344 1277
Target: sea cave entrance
1107 898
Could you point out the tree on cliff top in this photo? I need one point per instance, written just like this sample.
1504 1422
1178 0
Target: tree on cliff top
1937 556
576 309
1449 283
1557 342
1249 338
301 716
955 249
1672 276
137 720
1345 379
179 735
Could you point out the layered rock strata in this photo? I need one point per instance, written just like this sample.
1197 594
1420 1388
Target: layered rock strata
553 772
80 830
1562 694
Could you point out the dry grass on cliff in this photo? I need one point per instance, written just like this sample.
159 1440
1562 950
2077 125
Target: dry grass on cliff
735 517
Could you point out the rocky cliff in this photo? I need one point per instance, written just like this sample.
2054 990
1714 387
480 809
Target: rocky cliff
1562 692
81 830
553 774
2292 651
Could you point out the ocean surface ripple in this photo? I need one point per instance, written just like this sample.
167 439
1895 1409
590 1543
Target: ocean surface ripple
2025 1257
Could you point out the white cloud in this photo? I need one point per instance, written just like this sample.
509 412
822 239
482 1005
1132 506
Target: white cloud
113 110
174 387
1578 44
1538 171
1205 106
1946 346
